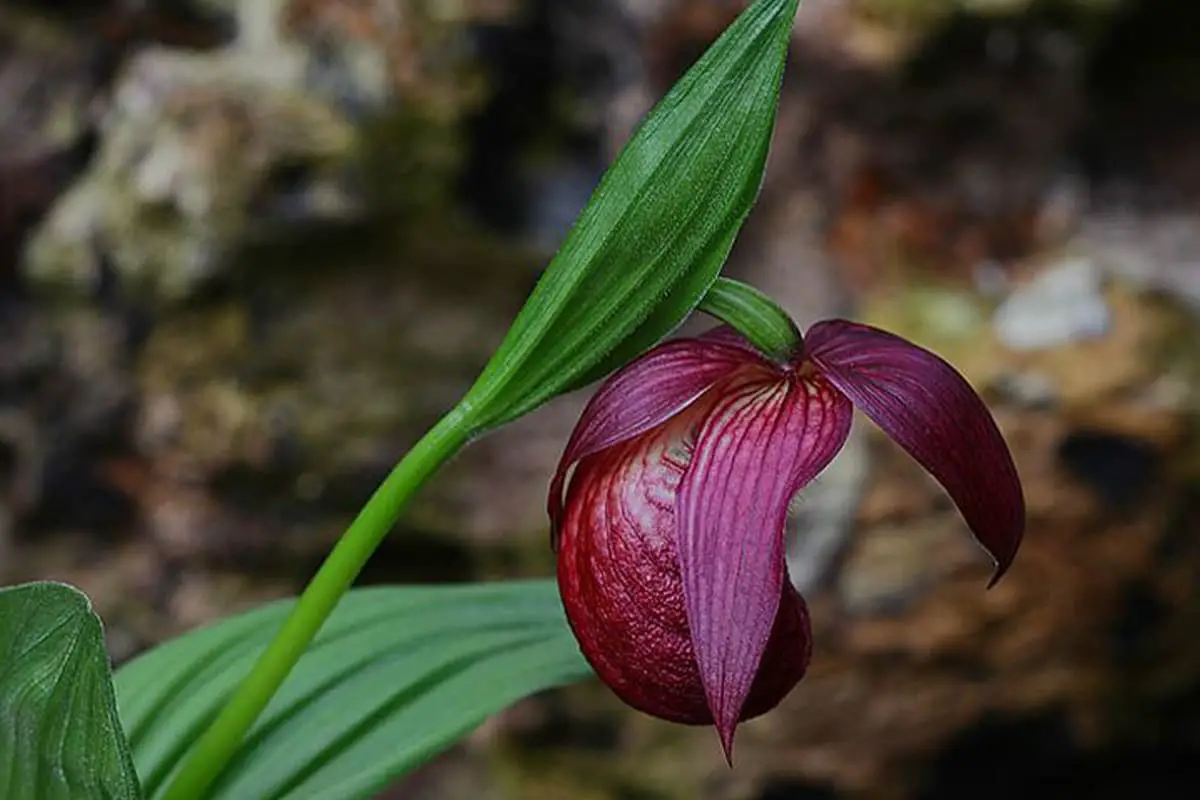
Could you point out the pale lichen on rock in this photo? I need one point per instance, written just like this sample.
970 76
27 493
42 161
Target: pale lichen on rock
311 115
189 145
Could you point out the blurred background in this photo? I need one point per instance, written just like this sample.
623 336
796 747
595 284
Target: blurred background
250 249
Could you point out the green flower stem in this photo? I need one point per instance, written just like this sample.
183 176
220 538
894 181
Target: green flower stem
754 315
222 739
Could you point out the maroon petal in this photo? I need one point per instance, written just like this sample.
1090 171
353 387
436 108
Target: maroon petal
619 576
933 413
758 446
640 396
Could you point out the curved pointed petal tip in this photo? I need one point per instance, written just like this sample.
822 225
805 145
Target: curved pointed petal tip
931 411
642 395
758 446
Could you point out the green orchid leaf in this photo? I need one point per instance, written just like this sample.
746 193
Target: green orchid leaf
396 675
60 736
755 315
656 231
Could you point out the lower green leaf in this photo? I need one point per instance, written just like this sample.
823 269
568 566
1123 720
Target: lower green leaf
60 736
397 674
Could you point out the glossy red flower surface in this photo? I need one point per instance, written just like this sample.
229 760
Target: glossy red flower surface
668 506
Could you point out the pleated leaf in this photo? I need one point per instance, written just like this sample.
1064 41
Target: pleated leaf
60 737
658 228
396 675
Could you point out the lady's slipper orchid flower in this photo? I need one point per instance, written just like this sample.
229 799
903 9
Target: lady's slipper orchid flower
670 536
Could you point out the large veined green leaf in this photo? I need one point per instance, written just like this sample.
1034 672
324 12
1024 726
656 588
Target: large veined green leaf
396 675
60 737
658 228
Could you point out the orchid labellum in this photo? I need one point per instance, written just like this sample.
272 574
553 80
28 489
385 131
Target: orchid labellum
670 526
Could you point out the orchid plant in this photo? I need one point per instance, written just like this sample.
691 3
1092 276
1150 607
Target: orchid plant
667 512
671 535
